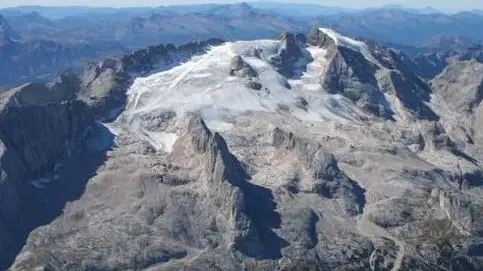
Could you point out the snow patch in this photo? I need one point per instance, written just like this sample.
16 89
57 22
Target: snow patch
202 75
310 79
41 182
113 128
162 140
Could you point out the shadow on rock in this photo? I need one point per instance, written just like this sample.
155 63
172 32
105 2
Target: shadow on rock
359 194
464 156
40 206
260 208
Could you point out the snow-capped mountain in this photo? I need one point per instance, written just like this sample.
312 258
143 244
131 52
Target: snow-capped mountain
317 152
331 78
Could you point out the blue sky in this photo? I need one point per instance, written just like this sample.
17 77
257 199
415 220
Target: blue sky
446 5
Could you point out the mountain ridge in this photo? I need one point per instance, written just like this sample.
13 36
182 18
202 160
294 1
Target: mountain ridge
300 172
119 31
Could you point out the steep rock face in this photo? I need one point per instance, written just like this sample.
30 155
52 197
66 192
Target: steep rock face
39 147
459 89
319 38
461 85
288 54
356 81
222 176
413 92
366 74
51 129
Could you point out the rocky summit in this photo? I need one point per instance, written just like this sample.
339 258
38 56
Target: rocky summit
317 152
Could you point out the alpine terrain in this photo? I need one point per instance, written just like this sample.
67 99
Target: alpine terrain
307 152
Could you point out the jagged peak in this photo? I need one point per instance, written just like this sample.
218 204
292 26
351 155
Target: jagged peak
196 128
350 43
293 37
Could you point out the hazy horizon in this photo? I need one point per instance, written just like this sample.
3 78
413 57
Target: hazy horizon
443 5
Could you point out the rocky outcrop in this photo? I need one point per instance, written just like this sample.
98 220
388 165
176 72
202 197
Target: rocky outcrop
318 38
328 180
224 214
289 53
239 67
456 209
460 85
226 184
159 55
350 75
364 73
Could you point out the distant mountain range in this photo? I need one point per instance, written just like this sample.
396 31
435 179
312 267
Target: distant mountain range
71 35
313 10
288 9
402 27
38 57
138 27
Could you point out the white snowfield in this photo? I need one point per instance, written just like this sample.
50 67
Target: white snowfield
204 85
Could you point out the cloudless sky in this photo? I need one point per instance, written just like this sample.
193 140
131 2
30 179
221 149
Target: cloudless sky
445 5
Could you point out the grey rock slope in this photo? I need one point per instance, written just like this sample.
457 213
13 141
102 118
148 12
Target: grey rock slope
206 172
460 86
467 78
37 133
